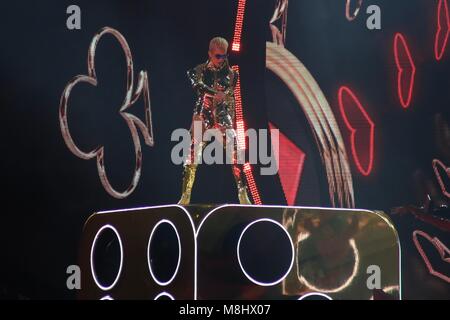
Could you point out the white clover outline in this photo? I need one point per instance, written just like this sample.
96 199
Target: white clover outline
132 121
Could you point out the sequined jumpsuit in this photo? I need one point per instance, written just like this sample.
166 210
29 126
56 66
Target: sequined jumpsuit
206 82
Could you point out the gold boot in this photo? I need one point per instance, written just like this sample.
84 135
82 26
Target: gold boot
241 185
188 182
243 196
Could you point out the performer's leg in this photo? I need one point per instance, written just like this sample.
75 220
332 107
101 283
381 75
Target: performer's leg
188 182
190 167
237 169
239 177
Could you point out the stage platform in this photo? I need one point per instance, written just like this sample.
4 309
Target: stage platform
239 252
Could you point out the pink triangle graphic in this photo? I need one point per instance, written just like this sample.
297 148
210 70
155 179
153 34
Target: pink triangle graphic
290 167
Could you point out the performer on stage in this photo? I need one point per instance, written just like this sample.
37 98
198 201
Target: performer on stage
214 82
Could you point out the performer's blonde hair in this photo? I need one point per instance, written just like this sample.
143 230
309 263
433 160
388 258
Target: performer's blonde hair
218 42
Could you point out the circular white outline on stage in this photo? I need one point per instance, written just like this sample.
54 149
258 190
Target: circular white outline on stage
265 284
107 226
303 280
164 294
107 298
148 253
315 294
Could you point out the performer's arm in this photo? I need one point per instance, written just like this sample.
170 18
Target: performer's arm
234 80
196 78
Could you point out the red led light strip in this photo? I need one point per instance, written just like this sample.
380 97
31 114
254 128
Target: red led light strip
252 183
404 93
236 46
365 171
240 128
443 22
240 125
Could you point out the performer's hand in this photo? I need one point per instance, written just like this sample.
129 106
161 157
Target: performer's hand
219 97
207 99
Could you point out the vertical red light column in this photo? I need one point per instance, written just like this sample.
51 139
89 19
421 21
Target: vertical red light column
236 46
240 125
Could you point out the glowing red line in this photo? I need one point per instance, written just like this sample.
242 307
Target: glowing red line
240 128
236 46
439 52
401 38
252 183
240 131
353 131
240 125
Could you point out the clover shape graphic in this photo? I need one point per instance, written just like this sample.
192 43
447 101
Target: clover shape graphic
133 122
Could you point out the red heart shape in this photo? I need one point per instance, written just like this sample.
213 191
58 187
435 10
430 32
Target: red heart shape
406 70
352 16
362 129
437 163
444 252
443 29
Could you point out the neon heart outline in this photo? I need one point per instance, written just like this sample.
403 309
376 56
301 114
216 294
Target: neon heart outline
439 52
353 131
400 39
440 247
348 15
435 163
132 121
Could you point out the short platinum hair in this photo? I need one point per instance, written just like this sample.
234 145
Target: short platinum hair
218 42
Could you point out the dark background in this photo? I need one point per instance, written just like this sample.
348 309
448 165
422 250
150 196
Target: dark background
48 193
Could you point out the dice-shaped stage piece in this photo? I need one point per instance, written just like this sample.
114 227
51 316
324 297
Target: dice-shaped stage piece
238 252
